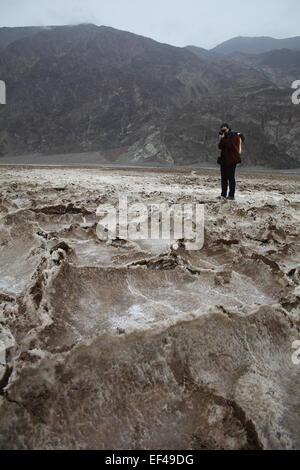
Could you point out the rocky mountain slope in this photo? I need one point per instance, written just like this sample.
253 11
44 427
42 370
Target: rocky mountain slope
86 88
256 45
281 66
9 35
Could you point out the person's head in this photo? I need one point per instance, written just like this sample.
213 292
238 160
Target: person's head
225 128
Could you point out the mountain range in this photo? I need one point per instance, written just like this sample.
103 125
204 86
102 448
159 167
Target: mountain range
89 88
257 45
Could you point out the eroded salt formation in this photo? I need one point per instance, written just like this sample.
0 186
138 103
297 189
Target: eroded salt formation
137 345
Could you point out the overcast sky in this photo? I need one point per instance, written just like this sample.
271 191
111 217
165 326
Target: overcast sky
203 23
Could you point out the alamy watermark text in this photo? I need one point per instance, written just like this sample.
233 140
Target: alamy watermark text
2 92
152 221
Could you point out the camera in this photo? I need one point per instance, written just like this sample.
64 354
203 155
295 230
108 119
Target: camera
224 133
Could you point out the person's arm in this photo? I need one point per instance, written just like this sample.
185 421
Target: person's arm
222 142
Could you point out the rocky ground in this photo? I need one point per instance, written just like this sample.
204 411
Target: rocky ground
140 344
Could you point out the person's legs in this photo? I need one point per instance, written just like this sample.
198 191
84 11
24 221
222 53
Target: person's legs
231 178
224 180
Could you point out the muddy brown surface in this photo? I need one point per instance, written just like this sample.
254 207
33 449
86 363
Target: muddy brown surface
143 344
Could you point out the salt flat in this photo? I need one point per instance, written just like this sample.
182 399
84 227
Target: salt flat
139 344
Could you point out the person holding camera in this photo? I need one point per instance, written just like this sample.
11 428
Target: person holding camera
230 144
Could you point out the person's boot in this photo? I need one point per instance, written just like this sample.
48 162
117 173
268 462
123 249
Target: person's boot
231 198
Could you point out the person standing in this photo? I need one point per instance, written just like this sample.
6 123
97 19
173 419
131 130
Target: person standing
230 144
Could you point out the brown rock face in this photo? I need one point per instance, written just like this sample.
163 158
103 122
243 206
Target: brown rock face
138 345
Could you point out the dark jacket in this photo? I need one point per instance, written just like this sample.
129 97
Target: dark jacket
231 147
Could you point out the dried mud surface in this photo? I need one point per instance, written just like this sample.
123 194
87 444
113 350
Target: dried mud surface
138 345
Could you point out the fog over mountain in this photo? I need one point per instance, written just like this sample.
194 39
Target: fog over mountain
86 88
